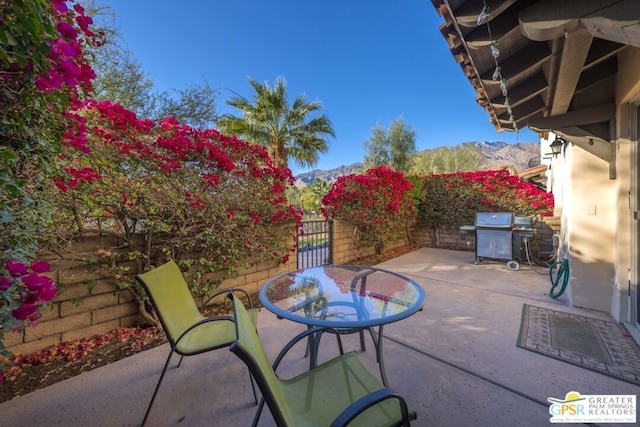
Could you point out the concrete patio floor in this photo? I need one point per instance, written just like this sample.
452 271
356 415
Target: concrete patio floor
456 362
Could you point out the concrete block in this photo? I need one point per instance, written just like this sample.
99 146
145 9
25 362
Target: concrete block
68 308
90 331
58 326
103 286
68 292
52 311
259 276
12 338
235 281
36 345
114 312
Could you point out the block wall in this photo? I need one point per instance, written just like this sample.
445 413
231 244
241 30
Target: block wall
89 302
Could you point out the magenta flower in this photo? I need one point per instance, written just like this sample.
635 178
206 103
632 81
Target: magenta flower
67 30
43 288
47 293
5 283
16 268
34 281
40 266
24 311
60 5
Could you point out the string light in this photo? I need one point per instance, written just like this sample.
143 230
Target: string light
494 50
496 74
483 18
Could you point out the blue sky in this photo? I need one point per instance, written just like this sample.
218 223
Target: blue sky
368 62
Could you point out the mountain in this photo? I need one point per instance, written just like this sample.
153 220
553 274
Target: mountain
501 154
497 155
329 175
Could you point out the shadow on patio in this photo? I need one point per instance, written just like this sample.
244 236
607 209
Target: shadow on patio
456 362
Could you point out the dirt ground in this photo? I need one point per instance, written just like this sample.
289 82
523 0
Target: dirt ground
47 367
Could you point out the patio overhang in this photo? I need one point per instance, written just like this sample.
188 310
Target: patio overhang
556 64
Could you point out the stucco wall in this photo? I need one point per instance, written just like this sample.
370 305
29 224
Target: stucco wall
599 234
592 227
626 264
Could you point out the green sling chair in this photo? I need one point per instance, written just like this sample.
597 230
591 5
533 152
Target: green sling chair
336 393
187 330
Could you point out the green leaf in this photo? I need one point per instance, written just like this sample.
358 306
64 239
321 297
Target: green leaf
91 284
8 155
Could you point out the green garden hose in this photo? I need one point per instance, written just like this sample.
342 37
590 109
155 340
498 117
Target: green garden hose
559 272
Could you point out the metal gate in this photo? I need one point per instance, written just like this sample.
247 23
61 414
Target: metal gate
315 243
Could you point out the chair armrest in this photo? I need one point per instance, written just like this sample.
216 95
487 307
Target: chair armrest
362 275
372 399
226 291
201 322
302 335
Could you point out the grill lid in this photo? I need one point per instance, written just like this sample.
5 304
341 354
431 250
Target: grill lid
523 222
494 219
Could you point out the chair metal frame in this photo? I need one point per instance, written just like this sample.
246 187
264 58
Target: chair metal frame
145 280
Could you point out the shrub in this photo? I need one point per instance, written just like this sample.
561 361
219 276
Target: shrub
43 76
379 203
167 191
452 200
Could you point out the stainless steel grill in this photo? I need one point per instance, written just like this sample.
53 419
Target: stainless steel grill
501 236
523 232
493 235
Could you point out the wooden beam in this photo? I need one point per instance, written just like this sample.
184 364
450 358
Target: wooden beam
524 110
602 149
595 75
502 26
523 92
574 53
601 51
619 23
524 61
613 20
467 13
587 116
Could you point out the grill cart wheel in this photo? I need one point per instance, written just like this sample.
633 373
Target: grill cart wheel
513 265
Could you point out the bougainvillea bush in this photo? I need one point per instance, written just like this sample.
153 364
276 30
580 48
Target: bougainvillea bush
379 203
43 77
451 200
73 167
211 202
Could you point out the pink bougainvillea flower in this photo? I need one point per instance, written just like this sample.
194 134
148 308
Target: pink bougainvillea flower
24 311
16 268
67 30
40 266
5 283
47 293
34 282
61 185
60 5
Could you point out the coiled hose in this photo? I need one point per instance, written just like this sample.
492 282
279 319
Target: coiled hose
558 272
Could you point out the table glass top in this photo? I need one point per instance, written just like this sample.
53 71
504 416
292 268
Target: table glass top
342 296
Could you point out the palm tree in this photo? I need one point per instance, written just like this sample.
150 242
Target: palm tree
312 195
286 131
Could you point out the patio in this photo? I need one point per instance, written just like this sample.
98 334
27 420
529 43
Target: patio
456 362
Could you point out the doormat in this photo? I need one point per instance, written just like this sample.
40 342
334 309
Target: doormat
599 345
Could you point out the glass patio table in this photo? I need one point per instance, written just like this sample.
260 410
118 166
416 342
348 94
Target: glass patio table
347 298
